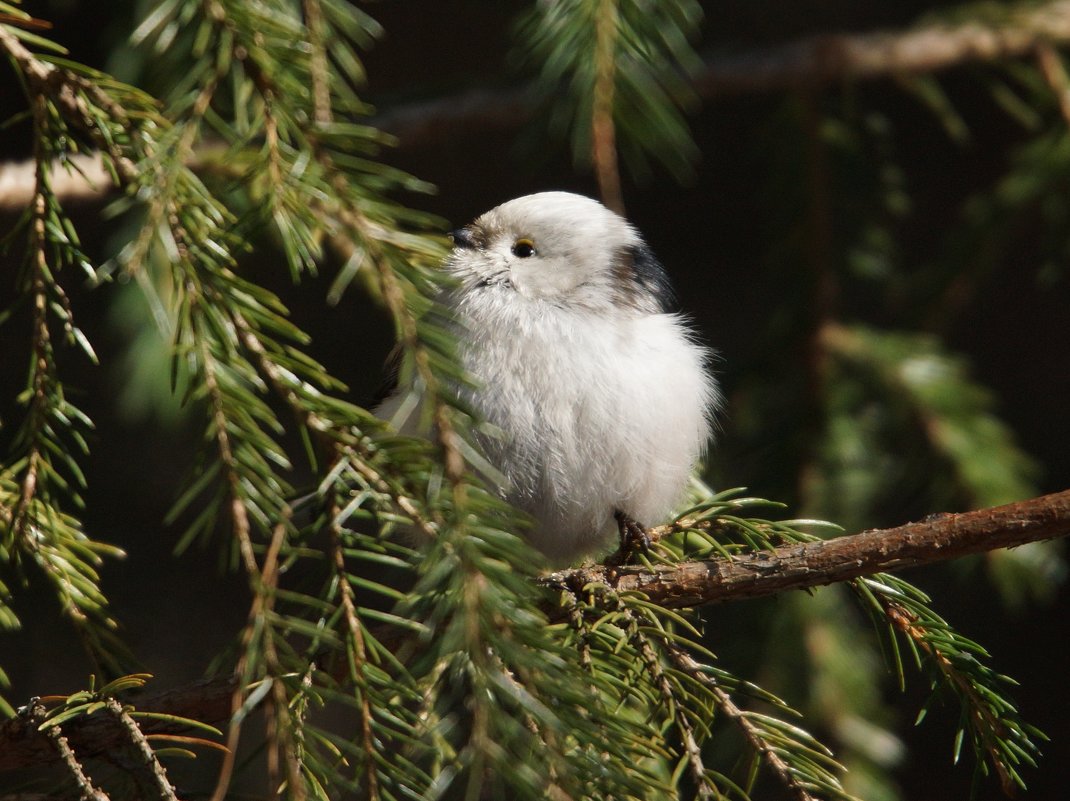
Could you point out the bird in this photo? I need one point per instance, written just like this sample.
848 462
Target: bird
596 395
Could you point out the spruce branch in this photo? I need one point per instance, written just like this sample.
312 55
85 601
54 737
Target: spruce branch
34 713
819 562
98 713
794 566
777 743
652 640
603 131
258 650
40 478
615 75
923 49
151 774
1000 740
356 641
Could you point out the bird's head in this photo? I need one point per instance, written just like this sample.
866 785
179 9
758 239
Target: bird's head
559 248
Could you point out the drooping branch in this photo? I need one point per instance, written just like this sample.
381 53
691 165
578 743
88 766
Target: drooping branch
798 566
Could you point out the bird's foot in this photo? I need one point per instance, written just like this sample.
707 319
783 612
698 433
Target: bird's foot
634 539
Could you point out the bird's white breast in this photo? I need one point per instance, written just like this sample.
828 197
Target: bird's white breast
596 412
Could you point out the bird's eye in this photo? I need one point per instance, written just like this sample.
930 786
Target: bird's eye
523 248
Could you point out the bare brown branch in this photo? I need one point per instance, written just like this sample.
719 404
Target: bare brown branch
853 57
798 566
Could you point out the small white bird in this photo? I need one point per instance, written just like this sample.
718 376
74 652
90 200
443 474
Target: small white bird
599 393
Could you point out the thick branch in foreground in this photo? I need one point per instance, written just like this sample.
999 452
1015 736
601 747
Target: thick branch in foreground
799 566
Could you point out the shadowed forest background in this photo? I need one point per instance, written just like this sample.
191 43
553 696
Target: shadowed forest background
823 237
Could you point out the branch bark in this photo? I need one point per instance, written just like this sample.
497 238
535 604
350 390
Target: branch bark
935 539
798 566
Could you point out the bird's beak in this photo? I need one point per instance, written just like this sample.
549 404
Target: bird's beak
463 238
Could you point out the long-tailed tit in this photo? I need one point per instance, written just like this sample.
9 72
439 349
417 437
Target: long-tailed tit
598 392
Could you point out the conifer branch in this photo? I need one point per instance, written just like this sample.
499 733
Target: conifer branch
795 566
257 638
355 631
999 737
40 478
692 751
603 131
812 564
808 62
88 791
989 729
153 774
321 90
758 739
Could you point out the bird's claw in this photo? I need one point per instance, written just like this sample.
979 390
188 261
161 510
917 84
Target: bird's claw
634 539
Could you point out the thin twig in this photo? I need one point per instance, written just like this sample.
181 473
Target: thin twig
753 736
157 776
360 656
676 710
88 791
603 131
984 723
42 344
264 582
321 87
34 716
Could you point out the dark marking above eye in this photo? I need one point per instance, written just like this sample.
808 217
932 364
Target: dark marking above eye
524 248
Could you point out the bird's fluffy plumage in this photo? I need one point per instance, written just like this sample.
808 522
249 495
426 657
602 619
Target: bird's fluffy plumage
600 395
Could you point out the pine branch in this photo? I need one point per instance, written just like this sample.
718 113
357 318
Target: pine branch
795 566
812 564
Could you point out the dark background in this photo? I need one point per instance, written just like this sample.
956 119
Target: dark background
711 234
